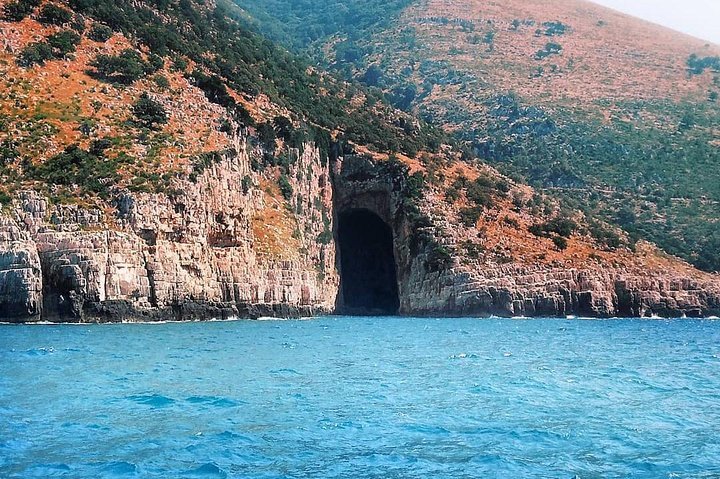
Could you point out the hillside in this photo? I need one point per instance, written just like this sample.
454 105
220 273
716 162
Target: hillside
163 160
614 115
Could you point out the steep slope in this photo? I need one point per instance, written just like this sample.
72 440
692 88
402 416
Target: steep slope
161 161
598 107
615 115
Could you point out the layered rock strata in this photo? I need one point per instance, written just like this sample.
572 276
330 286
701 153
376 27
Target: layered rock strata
213 249
192 254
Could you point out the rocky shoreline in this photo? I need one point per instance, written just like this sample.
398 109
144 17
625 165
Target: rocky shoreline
205 254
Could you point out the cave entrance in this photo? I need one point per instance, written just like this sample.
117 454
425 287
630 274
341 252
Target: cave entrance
368 274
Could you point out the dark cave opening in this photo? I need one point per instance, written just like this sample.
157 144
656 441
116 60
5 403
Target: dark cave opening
368 274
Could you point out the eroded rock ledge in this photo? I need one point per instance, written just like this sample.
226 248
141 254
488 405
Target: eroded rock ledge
211 251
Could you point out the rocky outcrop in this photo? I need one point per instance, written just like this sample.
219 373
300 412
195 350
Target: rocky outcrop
458 287
215 249
20 275
521 291
192 254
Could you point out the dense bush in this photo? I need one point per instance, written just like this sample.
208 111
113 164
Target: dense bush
266 135
469 216
8 152
161 81
55 46
550 49
35 54
284 128
216 92
560 225
560 242
19 9
286 188
100 33
246 184
75 166
204 161
697 65
605 235
63 42
554 28
125 68
51 14
149 113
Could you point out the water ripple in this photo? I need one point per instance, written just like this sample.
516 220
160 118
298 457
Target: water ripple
362 398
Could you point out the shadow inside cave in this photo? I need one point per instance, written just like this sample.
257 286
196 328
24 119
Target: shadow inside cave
368 273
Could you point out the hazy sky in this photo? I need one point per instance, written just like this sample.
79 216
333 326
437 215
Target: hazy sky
699 18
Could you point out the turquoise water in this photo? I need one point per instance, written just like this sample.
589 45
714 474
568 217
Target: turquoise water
362 398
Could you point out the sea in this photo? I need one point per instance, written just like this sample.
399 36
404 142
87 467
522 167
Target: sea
362 397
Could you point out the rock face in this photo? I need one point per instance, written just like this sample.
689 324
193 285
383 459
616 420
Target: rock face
215 249
514 291
194 254
457 288
20 275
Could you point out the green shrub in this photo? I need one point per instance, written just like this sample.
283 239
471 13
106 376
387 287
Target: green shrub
266 135
452 194
51 14
697 65
472 250
483 191
100 33
153 64
561 226
605 235
75 166
179 64
63 42
286 188
325 237
560 242
19 9
161 81
284 127
78 23
55 46
5 198
35 54
246 184
8 152
202 162
470 216
550 49
149 113
439 257
555 28
216 92
125 68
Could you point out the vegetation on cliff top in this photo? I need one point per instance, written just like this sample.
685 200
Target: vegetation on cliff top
213 36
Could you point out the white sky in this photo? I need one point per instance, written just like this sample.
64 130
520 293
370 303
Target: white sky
699 18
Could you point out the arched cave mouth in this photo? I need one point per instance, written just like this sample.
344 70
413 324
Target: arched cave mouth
368 274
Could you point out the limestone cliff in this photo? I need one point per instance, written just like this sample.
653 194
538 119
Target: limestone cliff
209 250
438 274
